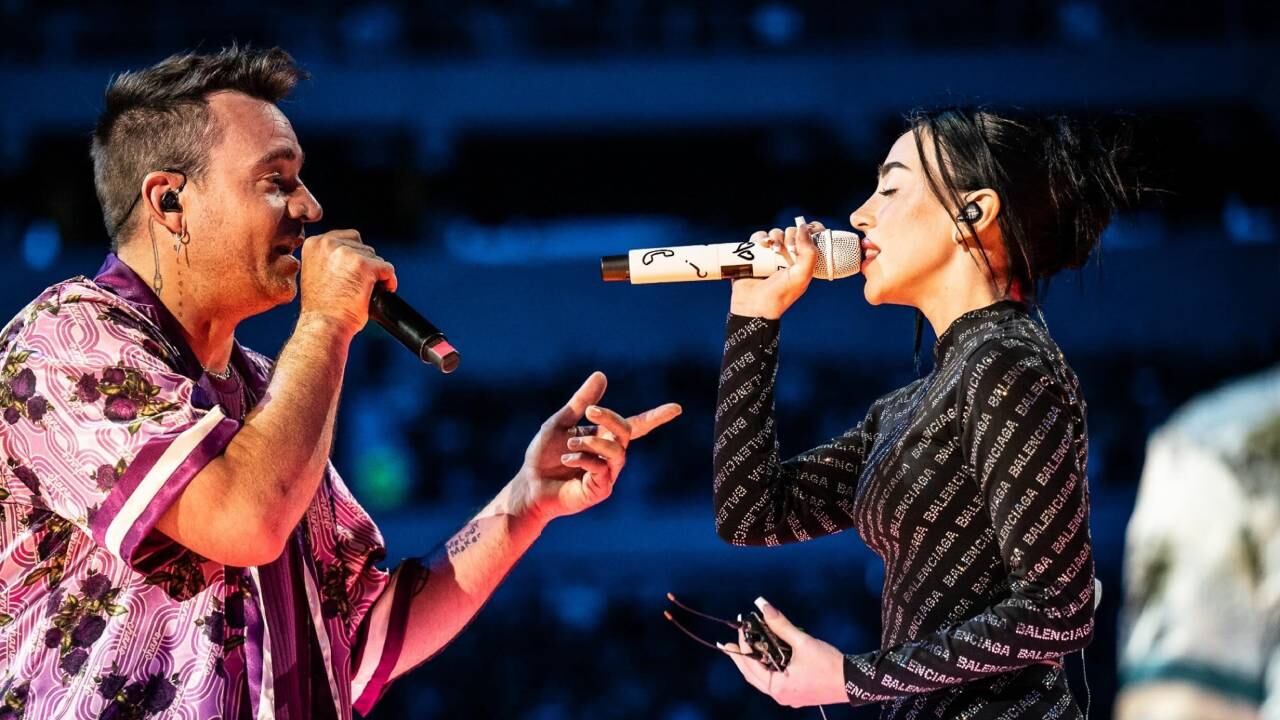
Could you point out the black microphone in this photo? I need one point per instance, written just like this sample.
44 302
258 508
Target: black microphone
412 330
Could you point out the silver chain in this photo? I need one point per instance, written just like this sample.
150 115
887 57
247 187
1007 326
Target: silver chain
224 375
240 384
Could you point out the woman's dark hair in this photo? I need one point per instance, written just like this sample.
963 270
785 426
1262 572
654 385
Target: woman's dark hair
158 118
1059 180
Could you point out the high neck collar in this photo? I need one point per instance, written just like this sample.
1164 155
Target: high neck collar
964 326
119 278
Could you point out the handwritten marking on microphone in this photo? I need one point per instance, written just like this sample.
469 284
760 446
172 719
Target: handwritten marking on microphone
701 273
662 252
744 251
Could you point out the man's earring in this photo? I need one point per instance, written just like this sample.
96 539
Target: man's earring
181 242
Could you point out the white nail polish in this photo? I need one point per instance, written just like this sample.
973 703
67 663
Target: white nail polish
800 221
761 602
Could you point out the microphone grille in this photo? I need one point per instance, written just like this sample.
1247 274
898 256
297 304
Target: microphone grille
839 254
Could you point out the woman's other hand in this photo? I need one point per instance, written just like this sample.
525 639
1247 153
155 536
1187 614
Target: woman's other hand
815 675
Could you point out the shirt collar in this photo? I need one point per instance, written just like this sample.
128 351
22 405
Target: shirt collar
963 327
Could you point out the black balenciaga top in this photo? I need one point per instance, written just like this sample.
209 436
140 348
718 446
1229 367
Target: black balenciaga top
969 483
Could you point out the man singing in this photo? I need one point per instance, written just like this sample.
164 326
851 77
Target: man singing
174 539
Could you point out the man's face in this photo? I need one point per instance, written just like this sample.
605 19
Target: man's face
246 218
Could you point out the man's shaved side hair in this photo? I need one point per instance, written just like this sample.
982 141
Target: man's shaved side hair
158 118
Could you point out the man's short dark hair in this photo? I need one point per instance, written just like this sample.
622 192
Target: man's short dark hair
158 118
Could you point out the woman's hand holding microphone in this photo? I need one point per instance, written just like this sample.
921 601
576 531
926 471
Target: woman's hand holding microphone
770 297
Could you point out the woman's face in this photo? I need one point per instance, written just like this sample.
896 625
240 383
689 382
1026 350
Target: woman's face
908 234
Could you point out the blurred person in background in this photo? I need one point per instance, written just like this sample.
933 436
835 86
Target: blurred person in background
174 538
1200 636
970 483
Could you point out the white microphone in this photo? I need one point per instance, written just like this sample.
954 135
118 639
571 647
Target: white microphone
839 256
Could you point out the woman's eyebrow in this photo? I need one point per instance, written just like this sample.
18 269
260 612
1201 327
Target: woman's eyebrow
885 168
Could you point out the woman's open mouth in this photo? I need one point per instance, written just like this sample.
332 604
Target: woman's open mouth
869 250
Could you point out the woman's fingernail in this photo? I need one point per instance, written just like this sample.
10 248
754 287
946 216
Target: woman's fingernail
592 410
761 602
800 222
575 442
566 457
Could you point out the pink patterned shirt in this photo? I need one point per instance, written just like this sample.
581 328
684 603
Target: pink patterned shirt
105 416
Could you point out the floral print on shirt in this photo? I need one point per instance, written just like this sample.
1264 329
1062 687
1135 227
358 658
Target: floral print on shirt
103 422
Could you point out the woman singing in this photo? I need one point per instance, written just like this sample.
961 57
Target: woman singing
970 482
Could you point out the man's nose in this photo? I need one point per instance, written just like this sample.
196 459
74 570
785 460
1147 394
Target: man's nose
305 207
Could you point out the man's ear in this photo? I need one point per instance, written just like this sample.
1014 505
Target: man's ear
162 198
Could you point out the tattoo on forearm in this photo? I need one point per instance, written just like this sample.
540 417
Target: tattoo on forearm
465 538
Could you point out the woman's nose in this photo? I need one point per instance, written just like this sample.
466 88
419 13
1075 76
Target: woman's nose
862 218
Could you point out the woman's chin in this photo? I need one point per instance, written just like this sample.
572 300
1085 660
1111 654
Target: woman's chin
873 292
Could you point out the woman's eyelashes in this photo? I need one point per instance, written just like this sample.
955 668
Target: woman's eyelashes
888 191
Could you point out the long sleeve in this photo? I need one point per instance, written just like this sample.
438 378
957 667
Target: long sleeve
1022 432
758 499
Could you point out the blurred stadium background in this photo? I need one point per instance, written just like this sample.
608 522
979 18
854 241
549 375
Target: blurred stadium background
495 150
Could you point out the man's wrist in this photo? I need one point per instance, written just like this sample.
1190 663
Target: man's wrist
517 501
323 326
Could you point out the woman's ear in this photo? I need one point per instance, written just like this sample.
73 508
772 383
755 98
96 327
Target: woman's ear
989 202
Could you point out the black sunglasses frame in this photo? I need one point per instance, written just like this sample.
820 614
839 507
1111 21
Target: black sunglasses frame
765 645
